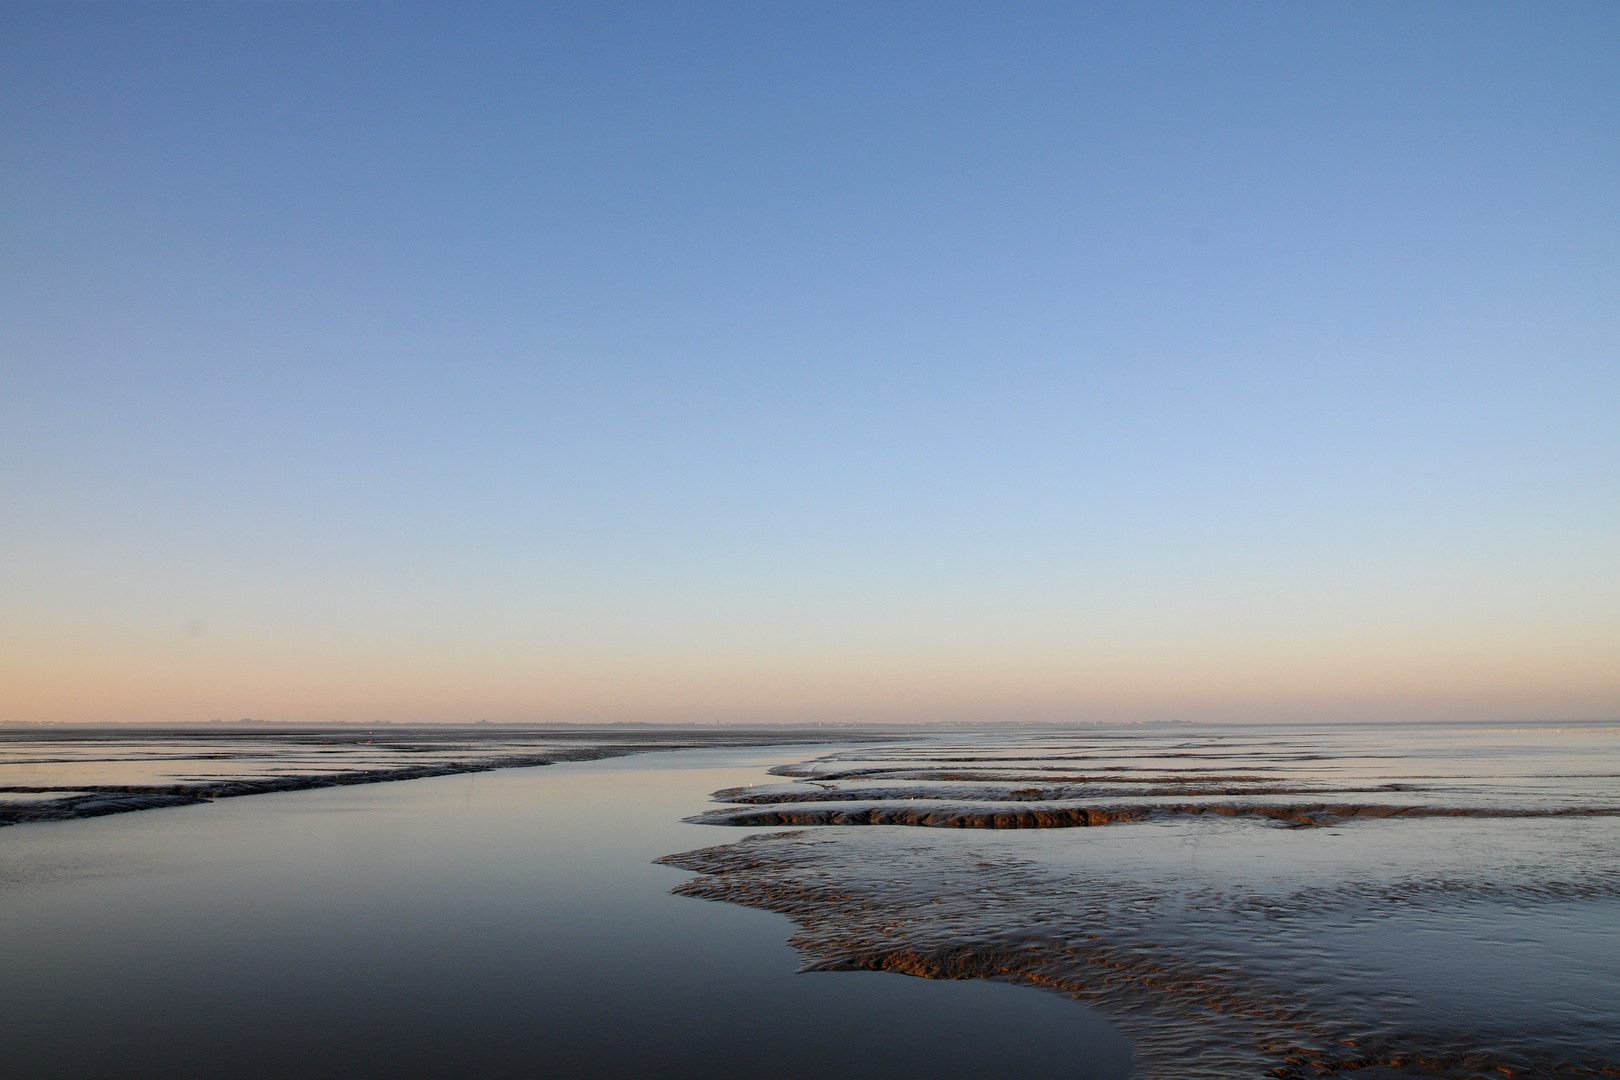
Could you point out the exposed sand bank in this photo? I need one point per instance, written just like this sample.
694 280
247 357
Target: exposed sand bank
1301 815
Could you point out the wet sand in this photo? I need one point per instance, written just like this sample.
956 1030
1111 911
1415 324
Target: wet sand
1460 921
1390 902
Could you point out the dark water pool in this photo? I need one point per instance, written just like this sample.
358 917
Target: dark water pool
498 924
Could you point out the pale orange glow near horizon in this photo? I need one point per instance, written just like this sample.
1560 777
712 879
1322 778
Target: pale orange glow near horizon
1306 678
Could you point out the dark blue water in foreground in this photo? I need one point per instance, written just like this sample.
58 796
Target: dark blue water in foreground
498 924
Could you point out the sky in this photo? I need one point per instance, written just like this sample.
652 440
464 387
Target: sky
778 362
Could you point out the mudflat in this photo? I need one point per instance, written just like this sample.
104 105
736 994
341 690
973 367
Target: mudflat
1167 900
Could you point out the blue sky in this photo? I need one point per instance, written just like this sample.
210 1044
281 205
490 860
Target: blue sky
768 362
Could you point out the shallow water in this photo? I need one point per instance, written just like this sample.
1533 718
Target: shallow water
491 924
1384 901
53 774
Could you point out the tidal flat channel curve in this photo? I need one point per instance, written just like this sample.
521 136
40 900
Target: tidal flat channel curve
505 923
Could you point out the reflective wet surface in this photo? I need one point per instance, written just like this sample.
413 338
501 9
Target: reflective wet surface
1382 901
53 774
506 923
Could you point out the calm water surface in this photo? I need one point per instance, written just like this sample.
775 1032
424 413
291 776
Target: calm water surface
497 924
1384 902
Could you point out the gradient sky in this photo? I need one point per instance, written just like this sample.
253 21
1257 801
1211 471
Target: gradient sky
809 362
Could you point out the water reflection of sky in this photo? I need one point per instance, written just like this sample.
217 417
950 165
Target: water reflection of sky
52 773
129 758
1478 940
476 917
492 924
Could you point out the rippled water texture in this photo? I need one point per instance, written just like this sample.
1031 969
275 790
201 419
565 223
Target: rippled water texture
1378 901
